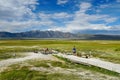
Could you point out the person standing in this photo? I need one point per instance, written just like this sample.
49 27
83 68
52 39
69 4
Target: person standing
74 50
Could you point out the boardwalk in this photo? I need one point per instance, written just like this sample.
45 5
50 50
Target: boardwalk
95 62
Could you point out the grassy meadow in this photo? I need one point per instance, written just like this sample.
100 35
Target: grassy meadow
107 50
62 69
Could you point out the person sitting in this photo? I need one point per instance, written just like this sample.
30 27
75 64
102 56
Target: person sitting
86 56
46 51
35 51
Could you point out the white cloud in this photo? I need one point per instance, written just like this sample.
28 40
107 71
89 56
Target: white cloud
58 16
60 2
17 15
84 6
17 26
116 27
105 5
62 15
16 9
82 21
118 0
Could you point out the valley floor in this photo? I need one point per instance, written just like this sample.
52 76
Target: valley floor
66 69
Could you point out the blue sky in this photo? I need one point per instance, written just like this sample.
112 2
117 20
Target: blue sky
77 16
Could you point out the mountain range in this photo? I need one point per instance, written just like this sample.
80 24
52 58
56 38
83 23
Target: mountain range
55 34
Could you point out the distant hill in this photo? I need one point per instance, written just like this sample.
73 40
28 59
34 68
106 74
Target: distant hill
55 34
98 37
105 37
38 34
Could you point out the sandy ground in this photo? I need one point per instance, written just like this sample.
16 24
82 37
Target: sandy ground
92 61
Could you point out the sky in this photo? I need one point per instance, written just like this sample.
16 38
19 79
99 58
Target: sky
76 16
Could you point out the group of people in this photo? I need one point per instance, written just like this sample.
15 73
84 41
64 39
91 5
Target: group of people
73 50
46 51
49 51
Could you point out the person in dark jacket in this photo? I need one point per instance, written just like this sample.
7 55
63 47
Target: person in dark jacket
74 50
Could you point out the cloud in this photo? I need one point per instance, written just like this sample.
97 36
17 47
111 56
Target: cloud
83 21
60 2
118 0
55 15
84 6
18 15
17 26
105 6
63 16
16 9
116 27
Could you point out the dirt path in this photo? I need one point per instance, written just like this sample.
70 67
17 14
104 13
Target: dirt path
8 62
92 61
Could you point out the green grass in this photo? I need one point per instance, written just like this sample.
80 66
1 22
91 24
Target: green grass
6 53
107 50
48 63
39 63
35 75
23 72
16 72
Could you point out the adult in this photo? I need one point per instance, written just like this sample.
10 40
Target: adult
74 50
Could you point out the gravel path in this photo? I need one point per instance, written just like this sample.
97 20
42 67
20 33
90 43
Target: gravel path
8 62
92 61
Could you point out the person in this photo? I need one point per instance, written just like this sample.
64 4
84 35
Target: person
87 56
35 51
74 50
46 51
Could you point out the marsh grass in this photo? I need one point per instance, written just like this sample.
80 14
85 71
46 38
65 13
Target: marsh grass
6 53
48 63
108 50
18 72
98 48
22 71
35 75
